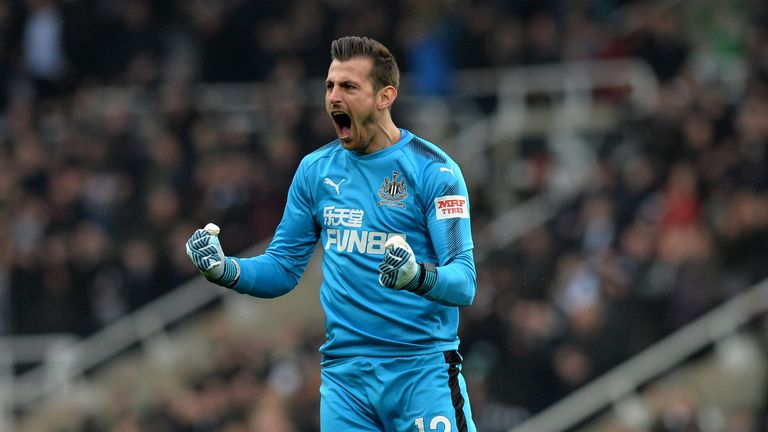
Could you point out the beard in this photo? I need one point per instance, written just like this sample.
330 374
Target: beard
366 131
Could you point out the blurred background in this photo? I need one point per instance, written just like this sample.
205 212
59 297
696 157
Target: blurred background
616 153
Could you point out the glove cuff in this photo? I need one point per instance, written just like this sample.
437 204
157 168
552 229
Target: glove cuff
424 281
231 274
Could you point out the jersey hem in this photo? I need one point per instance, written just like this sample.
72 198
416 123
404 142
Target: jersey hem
387 352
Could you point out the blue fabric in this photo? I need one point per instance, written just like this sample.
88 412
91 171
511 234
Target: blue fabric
352 204
393 394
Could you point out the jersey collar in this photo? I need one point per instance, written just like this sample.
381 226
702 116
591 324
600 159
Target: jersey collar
405 137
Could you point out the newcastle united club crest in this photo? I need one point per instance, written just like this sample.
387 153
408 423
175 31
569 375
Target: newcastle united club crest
393 192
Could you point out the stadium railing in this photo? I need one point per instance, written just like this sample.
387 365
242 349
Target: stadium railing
572 87
625 380
28 350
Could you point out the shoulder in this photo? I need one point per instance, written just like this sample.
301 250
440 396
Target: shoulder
427 158
424 151
436 170
324 153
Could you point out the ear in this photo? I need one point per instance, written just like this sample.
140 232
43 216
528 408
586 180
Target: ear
386 97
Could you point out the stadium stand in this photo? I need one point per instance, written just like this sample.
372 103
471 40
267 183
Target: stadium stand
609 214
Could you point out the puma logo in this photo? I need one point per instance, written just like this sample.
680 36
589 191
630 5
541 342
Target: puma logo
450 170
334 185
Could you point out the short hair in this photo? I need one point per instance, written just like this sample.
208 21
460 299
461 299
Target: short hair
384 71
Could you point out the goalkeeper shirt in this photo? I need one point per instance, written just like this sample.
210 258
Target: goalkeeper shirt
352 203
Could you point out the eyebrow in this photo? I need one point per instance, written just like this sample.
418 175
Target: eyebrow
343 82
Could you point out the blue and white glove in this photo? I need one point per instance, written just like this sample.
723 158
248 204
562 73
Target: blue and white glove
204 249
399 269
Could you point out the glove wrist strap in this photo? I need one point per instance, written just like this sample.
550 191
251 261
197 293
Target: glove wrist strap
424 281
231 274
237 274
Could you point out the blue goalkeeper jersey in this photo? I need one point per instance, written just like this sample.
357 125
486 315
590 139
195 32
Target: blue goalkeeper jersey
352 203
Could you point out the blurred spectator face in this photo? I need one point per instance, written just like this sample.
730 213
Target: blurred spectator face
751 121
699 132
91 245
165 151
30 154
506 41
64 187
537 242
638 241
639 175
587 321
692 243
163 206
139 257
283 151
535 321
543 31
744 213
572 365
205 136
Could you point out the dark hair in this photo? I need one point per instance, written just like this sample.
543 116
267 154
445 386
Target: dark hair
384 71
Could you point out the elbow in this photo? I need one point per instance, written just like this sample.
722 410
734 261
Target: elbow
463 299
283 287
251 290
457 283
469 281
470 300
468 297
275 294
471 288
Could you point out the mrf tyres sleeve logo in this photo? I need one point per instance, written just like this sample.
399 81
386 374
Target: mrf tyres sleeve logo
451 206
343 235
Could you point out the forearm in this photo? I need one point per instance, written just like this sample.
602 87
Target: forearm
264 277
456 282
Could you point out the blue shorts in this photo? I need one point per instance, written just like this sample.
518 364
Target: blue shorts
385 394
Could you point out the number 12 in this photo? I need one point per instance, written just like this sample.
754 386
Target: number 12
433 424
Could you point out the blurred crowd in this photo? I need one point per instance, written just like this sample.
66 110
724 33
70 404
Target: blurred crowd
100 189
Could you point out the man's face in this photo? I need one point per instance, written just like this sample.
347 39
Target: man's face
351 102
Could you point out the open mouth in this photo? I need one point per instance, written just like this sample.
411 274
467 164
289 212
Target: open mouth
343 123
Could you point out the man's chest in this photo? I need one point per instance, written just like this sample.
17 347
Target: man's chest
372 198
359 209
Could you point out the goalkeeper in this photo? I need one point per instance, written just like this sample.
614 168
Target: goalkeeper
392 214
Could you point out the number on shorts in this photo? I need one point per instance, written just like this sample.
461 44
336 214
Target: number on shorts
433 424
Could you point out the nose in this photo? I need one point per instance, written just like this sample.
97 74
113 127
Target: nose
333 94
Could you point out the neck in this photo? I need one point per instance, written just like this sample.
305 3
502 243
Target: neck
389 134
385 135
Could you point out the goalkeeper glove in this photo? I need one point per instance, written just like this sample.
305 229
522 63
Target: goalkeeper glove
399 269
204 249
